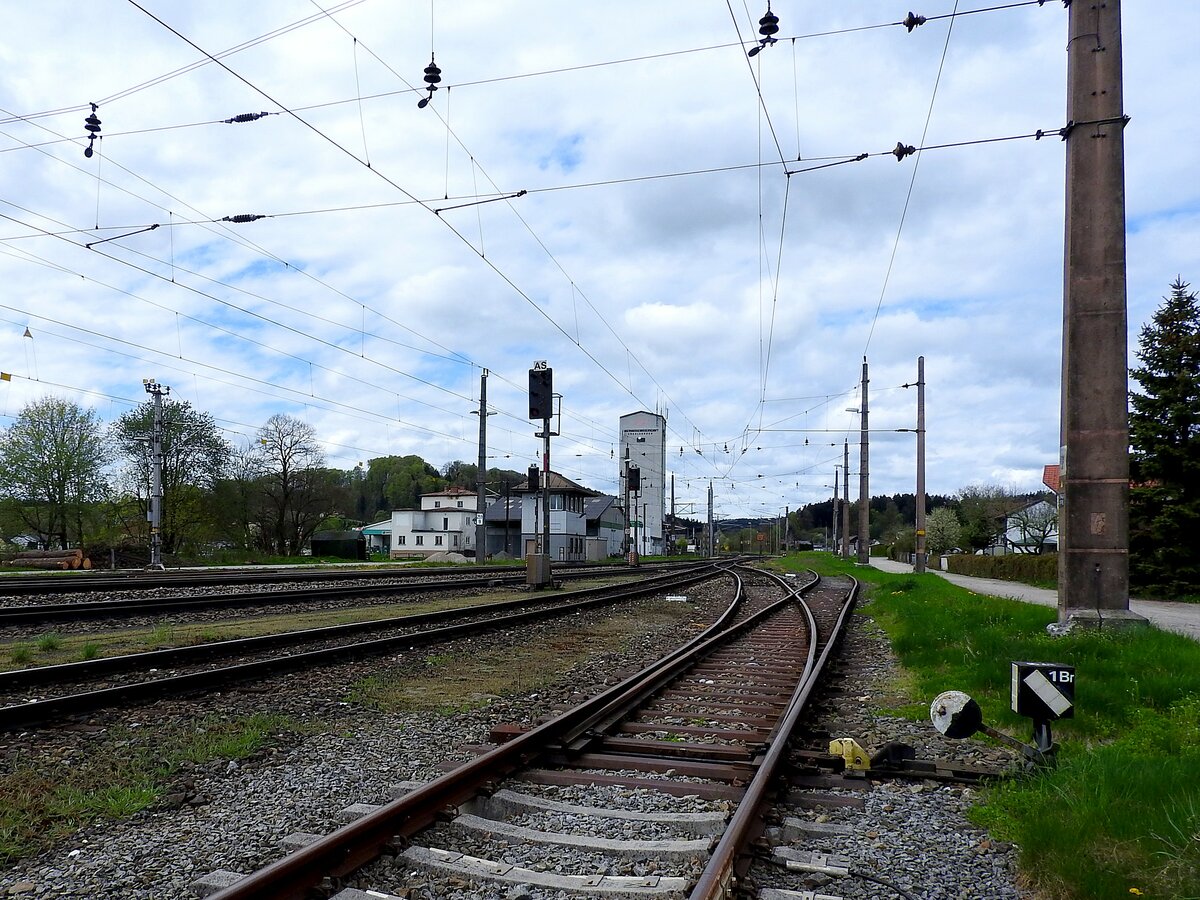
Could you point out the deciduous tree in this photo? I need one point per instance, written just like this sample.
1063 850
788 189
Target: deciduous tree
981 509
942 531
52 462
195 455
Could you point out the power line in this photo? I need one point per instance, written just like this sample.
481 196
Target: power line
901 151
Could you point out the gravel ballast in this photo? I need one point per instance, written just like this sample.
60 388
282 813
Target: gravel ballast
231 815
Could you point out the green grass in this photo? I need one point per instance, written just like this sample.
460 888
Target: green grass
49 642
45 799
20 653
1122 809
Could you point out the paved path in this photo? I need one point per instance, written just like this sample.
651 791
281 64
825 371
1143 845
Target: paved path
1182 618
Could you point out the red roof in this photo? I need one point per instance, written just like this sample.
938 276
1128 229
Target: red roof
1050 477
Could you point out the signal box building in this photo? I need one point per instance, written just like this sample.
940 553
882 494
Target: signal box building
644 446
568 519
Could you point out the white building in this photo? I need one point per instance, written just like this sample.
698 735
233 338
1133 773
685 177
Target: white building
644 446
445 522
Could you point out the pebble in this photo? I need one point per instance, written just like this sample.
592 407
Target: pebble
233 815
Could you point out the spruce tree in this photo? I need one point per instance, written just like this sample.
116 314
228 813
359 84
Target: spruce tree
1164 433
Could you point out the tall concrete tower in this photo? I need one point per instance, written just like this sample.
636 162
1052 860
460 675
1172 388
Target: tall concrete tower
644 445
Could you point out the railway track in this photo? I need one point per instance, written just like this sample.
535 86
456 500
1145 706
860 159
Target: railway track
72 687
708 724
32 615
187 579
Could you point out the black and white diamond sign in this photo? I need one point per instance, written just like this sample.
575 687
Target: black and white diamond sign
1043 691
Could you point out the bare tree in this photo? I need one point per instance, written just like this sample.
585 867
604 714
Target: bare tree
298 492
1035 523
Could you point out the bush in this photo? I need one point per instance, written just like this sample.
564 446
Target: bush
1026 567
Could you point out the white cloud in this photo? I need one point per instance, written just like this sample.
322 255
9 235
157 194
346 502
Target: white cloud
683 269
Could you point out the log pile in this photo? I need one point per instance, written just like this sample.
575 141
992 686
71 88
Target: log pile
51 559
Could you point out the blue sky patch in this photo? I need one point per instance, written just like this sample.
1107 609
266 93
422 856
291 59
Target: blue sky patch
566 153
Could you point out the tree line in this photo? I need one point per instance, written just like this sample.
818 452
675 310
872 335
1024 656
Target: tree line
67 480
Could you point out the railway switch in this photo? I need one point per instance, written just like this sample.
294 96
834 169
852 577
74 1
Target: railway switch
852 753
1041 691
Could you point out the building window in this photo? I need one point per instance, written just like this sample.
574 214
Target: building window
437 540
460 504
437 504
456 540
420 540
445 523
556 501
400 541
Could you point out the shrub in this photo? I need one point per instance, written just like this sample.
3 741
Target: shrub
1026 567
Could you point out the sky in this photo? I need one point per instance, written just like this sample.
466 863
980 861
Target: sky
601 186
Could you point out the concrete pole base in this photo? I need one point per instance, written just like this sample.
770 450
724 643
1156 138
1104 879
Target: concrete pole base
1091 618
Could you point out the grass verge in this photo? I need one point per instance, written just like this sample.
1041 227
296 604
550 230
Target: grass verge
1120 815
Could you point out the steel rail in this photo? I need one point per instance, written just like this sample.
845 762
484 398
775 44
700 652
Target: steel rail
59 582
56 674
362 841
39 710
95 609
718 880
48 612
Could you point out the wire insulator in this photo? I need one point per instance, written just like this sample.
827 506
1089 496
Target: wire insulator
92 125
433 75
245 117
911 21
241 218
902 150
768 24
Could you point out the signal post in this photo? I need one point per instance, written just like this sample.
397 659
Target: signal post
541 407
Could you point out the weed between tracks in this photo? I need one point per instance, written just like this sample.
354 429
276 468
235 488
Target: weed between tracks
53 648
46 797
1120 816
451 684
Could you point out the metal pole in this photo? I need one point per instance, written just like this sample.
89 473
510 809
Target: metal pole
628 542
481 476
154 514
846 494
1093 522
919 563
546 492
837 509
712 548
864 483
674 522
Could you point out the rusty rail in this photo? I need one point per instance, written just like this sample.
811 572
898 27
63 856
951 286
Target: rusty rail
358 843
718 880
